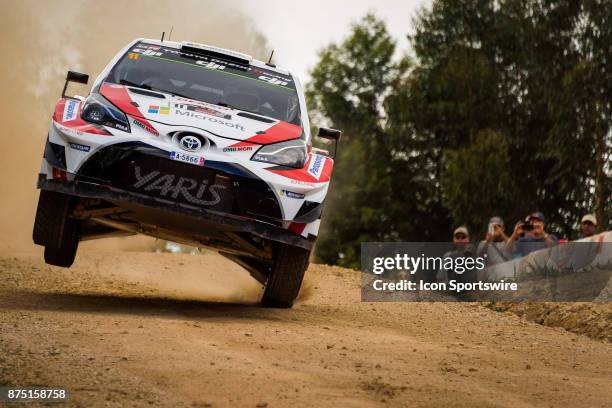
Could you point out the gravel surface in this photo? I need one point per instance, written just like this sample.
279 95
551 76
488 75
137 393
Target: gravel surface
143 329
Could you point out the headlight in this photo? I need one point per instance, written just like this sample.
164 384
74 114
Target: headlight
291 153
100 111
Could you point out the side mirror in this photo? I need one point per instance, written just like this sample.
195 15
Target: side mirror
77 77
331 134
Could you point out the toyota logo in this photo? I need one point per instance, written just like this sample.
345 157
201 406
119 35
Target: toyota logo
190 143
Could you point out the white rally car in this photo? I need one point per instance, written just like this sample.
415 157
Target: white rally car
193 144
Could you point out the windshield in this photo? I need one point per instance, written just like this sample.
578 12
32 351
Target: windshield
209 79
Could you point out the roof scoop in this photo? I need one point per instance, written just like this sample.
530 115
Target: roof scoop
216 52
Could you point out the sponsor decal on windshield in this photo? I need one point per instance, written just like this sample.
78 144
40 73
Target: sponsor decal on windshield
273 81
212 63
149 52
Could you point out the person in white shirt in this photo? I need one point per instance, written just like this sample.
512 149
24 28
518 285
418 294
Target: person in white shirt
493 248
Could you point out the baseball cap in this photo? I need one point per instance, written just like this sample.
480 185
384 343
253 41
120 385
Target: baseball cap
537 215
589 218
496 221
461 230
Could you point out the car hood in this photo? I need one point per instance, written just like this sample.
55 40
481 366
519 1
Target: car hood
218 120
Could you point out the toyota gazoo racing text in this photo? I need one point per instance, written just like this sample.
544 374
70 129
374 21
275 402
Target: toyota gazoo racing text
193 144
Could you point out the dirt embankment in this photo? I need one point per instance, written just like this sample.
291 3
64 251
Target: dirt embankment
589 319
142 329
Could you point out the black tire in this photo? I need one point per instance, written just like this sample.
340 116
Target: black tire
63 256
285 281
55 229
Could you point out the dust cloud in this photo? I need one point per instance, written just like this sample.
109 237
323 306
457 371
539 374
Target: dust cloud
206 277
40 41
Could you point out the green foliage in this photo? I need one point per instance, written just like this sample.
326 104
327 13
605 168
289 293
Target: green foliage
351 79
476 180
348 87
506 109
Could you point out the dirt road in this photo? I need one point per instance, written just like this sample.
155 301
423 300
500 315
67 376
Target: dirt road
141 329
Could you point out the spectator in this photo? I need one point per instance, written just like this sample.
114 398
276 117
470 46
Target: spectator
493 248
461 237
461 248
530 236
588 226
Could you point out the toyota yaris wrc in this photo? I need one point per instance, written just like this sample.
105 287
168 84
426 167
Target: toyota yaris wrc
193 144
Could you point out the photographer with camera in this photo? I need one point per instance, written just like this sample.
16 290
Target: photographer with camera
494 245
530 236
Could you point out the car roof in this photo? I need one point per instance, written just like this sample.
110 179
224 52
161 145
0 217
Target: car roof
252 61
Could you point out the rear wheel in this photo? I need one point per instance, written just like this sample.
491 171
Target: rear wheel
285 281
55 229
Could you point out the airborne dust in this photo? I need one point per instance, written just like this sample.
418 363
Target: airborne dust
40 41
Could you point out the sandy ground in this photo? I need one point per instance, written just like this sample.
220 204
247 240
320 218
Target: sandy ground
142 329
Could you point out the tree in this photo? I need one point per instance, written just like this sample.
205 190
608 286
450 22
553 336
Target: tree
513 67
505 109
476 180
349 86
583 113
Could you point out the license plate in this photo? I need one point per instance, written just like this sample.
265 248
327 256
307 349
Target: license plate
187 158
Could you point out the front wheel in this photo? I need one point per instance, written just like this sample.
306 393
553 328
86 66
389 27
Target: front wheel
62 256
284 282
55 229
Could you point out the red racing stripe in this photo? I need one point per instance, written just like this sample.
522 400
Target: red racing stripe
241 144
277 133
120 97
303 174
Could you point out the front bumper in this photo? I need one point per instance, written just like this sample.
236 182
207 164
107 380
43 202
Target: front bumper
218 219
